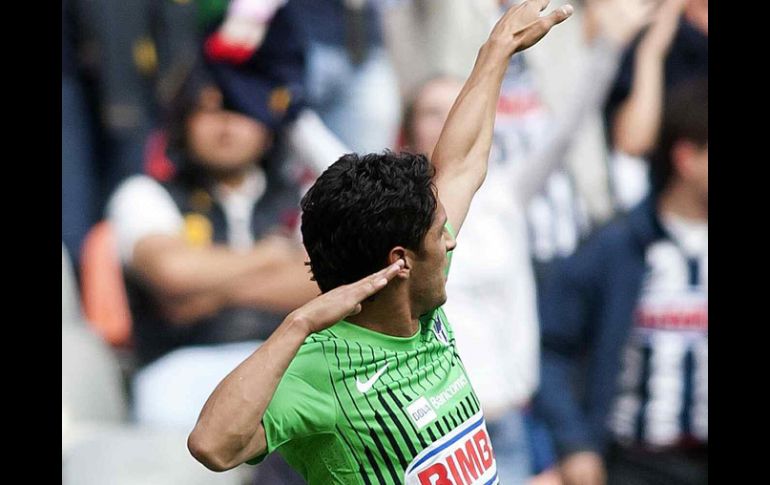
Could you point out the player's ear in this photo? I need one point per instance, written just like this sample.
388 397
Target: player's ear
399 252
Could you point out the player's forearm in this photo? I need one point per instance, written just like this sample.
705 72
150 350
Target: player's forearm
229 429
465 141
636 124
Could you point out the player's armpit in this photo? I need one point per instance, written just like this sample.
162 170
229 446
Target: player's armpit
259 447
456 194
253 452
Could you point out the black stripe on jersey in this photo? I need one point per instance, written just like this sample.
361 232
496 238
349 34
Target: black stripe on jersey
393 417
459 415
644 392
344 438
689 366
430 433
376 436
464 414
384 455
361 351
361 469
398 369
420 438
418 372
372 433
417 377
456 358
449 426
343 408
440 366
427 378
454 421
427 365
472 403
373 464
440 429
392 440
347 351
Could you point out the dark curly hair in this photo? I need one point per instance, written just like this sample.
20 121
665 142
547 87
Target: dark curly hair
360 208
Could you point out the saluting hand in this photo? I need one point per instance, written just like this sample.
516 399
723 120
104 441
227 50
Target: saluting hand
325 310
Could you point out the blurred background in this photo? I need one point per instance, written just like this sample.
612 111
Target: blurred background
191 129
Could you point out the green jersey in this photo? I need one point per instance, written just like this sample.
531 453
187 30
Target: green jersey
360 407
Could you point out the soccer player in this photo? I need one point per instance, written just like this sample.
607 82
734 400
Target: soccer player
363 384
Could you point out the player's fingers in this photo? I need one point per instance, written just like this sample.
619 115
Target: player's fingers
356 310
559 15
374 283
533 32
540 4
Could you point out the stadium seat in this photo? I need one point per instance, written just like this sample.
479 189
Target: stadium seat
131 455
105 302
92 384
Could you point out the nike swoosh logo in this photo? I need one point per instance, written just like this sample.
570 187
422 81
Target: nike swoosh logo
365 386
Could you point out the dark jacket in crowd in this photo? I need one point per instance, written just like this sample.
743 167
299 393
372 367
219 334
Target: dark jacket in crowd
586 313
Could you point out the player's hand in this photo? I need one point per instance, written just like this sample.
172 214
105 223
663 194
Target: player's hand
583 468
326 310
522 26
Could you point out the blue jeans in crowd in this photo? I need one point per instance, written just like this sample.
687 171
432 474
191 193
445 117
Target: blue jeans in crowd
359 103
509 440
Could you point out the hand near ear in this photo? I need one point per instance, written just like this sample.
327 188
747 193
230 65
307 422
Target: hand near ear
324 311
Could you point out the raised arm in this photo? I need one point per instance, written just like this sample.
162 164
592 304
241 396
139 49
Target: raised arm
229 429
462 151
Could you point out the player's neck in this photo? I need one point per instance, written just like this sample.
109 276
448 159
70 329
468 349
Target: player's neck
388 314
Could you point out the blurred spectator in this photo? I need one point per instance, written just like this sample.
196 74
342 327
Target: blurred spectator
350 80
79 210
673 49
117 60
237 42
494 297
624 384
210 263
439 36
425 37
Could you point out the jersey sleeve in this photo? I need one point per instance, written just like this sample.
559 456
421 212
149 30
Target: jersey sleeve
303 405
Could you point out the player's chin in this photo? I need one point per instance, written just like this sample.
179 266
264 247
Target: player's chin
441 298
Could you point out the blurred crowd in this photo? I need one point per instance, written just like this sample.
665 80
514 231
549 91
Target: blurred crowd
578 292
